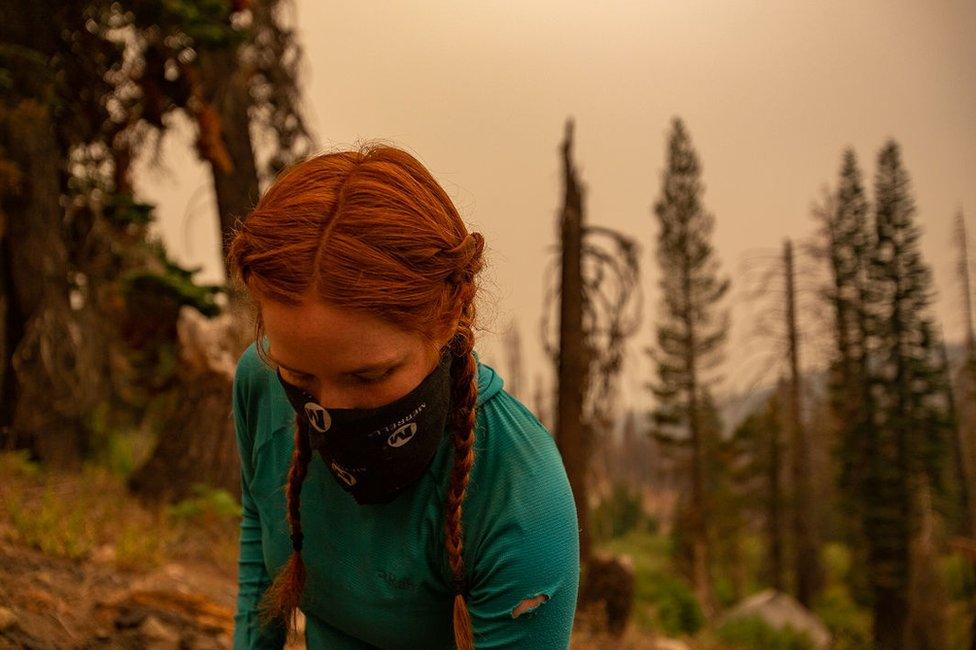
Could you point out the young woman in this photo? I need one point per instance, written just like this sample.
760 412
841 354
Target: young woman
392 490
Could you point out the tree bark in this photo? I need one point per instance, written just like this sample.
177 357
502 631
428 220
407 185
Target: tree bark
37 410
235 177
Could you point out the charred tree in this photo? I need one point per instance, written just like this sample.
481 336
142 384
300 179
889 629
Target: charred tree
597 297
572 357
806 568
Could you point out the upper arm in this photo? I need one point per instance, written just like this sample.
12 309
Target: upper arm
526 578
252 575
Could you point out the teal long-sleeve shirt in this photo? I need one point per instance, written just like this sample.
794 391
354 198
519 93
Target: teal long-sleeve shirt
377 575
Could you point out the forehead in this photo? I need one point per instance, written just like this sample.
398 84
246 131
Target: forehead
318 337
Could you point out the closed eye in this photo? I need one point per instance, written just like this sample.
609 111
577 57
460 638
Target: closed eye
300 380
372 377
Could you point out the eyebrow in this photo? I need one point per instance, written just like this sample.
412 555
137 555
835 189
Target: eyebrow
379 365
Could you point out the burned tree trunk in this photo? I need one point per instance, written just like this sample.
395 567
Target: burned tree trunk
805 553
572 363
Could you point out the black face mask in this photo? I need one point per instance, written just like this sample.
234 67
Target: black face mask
376 453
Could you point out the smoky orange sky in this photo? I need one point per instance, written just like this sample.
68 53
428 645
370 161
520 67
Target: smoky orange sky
771 93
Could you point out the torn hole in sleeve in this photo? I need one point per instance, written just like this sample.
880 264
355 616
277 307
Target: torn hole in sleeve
529 605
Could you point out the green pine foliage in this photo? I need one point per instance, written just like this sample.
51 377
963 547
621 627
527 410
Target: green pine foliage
691 329
888 382
690 334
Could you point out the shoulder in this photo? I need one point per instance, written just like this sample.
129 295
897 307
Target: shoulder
250 371
519 490
257 408
513 438
518 470
513 445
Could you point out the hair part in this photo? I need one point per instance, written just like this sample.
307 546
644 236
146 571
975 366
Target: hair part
368 230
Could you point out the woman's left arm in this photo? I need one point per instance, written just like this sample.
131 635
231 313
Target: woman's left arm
526 578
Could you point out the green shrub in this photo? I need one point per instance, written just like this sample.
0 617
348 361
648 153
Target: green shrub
754 633
663 601
207 503
678 611
836 560
51 525
618 514
849 624
17 464
957 573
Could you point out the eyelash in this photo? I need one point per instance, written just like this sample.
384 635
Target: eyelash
373 380
302 380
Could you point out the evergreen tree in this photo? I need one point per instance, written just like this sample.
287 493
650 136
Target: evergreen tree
888 383
847 237
908 451
690 333
846 229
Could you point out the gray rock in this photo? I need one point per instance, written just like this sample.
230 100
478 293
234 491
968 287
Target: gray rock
779 610
158 635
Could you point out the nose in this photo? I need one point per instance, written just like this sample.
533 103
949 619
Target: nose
335 398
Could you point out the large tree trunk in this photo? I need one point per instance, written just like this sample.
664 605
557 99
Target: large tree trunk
572 369
197 441
225 87
962 443
37 405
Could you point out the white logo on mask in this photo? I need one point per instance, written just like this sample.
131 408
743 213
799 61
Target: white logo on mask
347 478
403 435
318 416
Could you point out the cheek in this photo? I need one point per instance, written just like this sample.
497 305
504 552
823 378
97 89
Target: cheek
397 386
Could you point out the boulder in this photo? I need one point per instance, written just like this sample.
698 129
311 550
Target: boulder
778 610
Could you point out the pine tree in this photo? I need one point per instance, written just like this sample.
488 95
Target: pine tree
846 230
888 383
909 448
847 236
690 333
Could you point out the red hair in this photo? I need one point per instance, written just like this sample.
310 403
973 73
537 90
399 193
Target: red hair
369 230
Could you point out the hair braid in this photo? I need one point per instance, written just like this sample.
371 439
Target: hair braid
464 393
282 598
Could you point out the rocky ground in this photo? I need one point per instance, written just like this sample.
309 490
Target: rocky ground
83 564
50 602
54 603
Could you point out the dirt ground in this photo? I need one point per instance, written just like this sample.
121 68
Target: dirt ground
54 603
51 602
84 565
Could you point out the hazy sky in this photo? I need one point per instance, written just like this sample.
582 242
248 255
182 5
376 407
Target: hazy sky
770 92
